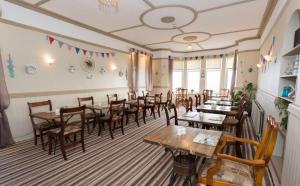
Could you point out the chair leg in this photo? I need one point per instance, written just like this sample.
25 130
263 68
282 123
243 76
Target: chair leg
82 141
110 130
99 130
88 126
62 147
42 140
144 116
50 145
127 118
158 110
35 138
74 137
152 111
122 127
137 118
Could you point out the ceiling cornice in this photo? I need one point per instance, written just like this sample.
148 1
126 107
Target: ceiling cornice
41 2
68 20
266 17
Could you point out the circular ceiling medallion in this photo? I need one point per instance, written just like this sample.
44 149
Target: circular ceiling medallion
167 17
193 37
190 38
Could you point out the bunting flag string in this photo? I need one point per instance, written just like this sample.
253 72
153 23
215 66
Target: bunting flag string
198 57
140 51
78 49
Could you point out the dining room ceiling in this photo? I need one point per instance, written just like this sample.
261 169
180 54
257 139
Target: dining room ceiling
176 25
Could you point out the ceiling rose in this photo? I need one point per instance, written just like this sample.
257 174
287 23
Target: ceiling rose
192 37
167 17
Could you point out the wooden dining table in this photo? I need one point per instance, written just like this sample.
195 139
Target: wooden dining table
210 119
214 109
182 138
222 103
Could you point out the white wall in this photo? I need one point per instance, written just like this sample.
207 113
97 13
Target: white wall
53 82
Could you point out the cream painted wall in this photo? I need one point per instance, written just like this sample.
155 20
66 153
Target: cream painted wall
30 47
247 60
269 85
160 75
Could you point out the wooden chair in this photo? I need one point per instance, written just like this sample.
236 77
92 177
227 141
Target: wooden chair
132 95
229 170
111 97
39 128
115 116
141 102
134 109
224 92
68 128
149 105
197 100
157 102
169 109
189 104
91 117
167 101
181 96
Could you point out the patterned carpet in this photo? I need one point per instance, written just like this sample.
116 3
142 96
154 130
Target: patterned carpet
126 160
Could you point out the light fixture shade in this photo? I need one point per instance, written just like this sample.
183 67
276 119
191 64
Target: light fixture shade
268 57
109 5
259 65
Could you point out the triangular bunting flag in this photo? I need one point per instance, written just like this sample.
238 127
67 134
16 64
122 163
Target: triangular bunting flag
69 47
51 39
77 50
60 43
97 54
107 54
102 54
91 53
84 51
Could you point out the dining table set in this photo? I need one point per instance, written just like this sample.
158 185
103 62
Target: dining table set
199 140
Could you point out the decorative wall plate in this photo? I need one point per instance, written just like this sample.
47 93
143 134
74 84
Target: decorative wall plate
121 73
102 70
30 69
72 68
88 65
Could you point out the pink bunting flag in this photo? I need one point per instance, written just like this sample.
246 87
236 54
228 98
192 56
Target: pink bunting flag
107 54
102 54
51 39
97 54
69 47
84 51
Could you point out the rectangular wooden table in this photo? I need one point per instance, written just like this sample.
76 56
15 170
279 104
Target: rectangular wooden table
181 138
221 99
222 103
204 118
46 115
214 109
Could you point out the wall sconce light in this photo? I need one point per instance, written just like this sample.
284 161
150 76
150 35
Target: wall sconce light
268 58
258 65
113 67
50 61
189 47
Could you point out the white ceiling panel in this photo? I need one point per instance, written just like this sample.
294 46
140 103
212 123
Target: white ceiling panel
198 5
87 12
224 40
238 17
145 35
175 46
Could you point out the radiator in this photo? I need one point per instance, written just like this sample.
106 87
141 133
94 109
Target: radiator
257 116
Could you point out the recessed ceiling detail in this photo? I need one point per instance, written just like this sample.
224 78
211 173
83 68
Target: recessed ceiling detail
167 17
193 37
163 24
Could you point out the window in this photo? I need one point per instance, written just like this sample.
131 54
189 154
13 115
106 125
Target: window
178 74
193 75
213 74
212 79
228 77
177 80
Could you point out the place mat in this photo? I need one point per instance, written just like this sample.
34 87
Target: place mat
206 139
189 114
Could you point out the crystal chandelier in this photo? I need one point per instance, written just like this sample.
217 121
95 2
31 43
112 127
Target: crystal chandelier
109 5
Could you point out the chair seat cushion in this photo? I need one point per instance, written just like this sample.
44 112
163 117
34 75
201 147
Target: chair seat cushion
231 121
232 113
42 125
68 130
90 115
232 172
132 110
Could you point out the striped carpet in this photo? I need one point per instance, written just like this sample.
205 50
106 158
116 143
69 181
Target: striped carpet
126 160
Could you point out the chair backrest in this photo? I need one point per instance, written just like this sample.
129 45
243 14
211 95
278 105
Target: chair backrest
189 104
117 108
169 96
265 148
198 100
141 100
72 112
132 95
239 128
83 100
32 105
224 92
157 98
111 97
168 109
